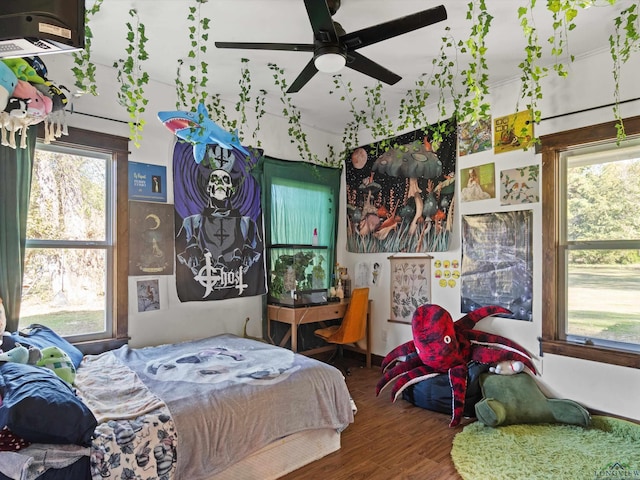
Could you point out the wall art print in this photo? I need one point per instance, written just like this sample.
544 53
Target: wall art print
520 185
474 137
218 224
479 183
147 182
402 199
513 132
150 238
497 262
148 292
410 286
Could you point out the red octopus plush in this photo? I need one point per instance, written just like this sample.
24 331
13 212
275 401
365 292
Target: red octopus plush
441 345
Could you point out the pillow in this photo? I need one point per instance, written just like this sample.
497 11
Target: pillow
434 393
41 408
40 336
513 399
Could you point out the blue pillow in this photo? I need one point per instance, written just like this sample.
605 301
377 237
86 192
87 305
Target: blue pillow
41 408
41 336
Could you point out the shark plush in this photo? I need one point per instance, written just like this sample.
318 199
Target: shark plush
199 130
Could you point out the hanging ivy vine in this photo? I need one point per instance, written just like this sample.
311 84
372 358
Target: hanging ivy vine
297 134
475 76
531 71
624 41
350 133
132 78
84 70
564 13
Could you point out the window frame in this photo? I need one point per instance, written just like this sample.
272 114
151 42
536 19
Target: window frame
552 146
118 148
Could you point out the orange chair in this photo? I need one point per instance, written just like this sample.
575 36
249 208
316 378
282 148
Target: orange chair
353 327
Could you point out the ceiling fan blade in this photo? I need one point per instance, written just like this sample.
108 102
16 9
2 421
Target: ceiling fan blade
307 73
321 22
362 64
294 47
393 28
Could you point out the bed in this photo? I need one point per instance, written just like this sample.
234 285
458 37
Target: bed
223 407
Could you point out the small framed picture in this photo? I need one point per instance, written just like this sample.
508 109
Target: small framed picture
148 295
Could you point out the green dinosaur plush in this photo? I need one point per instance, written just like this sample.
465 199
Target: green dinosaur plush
55 359
513 399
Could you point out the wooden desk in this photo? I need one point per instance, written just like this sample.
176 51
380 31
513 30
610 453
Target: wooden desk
315 313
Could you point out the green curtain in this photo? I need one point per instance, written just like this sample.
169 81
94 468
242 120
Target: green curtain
305 198
15 188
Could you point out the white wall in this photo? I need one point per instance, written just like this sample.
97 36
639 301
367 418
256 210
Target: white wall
175 320
599 386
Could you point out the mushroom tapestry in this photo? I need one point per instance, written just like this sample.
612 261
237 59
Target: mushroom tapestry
401 199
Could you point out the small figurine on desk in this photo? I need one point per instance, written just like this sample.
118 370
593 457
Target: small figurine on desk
339 291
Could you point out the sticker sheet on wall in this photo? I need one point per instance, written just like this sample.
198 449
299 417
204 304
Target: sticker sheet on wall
446 273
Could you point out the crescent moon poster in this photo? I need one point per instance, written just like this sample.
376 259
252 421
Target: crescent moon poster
401 199
151 244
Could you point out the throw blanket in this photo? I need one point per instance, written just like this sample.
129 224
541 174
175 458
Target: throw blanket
230 396
135 432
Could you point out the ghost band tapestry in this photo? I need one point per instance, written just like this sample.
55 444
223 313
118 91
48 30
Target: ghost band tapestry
218 224
402 199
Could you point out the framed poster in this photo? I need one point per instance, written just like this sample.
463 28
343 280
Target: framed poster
151 239
410 286
147 182
497 262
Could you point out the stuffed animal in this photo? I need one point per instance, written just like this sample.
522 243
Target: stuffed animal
21 354
55 359
8 82
18 354
512 399
508 367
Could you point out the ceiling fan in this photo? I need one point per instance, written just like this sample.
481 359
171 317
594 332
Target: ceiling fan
333 48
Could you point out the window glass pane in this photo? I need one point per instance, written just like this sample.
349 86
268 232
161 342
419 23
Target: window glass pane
297 208
68 197
64 288
603 293
603 196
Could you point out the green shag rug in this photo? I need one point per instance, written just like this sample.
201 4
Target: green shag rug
609 448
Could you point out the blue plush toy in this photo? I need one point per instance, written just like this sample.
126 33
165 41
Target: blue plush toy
18 354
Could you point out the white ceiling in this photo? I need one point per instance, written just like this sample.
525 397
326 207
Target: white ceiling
286 21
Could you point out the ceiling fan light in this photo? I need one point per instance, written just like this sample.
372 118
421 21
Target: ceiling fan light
330 62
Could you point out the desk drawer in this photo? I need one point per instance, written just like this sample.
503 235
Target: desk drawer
327 312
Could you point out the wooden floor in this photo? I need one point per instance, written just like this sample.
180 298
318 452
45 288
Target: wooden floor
387 441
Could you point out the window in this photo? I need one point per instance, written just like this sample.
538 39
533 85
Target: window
591 243
298 198
75 274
